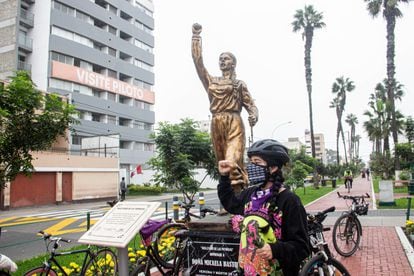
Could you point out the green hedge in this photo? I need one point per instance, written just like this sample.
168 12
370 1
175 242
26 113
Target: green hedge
145 190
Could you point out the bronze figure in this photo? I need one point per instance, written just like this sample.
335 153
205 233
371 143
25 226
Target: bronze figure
227 96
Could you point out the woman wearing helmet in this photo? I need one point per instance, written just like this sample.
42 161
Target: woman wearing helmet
266 199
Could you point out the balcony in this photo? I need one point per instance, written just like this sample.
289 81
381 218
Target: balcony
25 43
26 18
24 66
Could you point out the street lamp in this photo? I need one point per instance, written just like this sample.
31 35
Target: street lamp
279 125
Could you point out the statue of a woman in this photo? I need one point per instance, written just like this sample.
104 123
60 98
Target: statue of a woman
227 96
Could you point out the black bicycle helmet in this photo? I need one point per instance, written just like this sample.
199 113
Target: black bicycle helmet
272 151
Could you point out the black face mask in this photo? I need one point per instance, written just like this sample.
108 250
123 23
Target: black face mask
257 174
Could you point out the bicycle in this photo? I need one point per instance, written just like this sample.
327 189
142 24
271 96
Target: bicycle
101 262
347 230
165 243
322 262
348 183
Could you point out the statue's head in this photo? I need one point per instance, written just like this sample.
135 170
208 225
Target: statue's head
227 61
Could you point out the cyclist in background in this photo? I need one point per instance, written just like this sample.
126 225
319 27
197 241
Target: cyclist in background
348 178
280 238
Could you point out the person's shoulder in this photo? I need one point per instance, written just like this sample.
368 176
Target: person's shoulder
290 197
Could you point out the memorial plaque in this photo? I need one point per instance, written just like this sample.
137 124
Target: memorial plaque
386 193
120 224
212 253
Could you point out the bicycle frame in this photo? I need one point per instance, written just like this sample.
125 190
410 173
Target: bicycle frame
151 259
52 259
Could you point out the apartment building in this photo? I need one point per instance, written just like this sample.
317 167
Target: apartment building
320 152
97 53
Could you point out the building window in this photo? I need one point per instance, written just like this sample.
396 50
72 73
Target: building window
147 126
139 146
111 96
96 117
62 58
59 84
148 147
77 139
111 51
139 125
111 119
112 30
63 8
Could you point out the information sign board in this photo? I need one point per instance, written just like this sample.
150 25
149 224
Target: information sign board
120 224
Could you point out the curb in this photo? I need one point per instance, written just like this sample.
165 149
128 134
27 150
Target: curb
408 249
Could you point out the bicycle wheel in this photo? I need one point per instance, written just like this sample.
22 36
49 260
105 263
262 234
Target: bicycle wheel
318 266
140 268
40 271
104 262
346 235
166 245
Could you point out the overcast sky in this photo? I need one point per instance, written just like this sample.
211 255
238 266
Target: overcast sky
270 60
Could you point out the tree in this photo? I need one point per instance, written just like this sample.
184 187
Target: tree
352 121
339 88
29 121
307 20
390 11
181 148
409 129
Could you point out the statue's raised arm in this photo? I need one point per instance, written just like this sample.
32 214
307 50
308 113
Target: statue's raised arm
196 50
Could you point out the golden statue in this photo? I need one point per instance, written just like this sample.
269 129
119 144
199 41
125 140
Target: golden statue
227 96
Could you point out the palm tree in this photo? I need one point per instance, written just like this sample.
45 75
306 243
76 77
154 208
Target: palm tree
373 127
335 104
352 121
356 146
306 21
390 12
340 87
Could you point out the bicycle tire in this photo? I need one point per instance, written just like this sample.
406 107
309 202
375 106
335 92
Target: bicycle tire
318 266
343 233
104 262
166 244
41 271
140 268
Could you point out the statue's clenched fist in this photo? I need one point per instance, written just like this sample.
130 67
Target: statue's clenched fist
197 28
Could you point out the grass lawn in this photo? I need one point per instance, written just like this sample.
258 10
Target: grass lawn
309 194
400 203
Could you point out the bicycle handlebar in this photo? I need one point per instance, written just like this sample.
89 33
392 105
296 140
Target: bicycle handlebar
353 197
47 236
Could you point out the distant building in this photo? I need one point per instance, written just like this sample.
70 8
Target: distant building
293 143
320 153
98 53
204 125
331 156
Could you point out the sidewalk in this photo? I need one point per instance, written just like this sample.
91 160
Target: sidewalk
381 251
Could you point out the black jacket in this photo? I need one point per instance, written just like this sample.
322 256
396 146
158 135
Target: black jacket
294 245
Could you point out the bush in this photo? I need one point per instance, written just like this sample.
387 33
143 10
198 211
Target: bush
145 190
404 175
